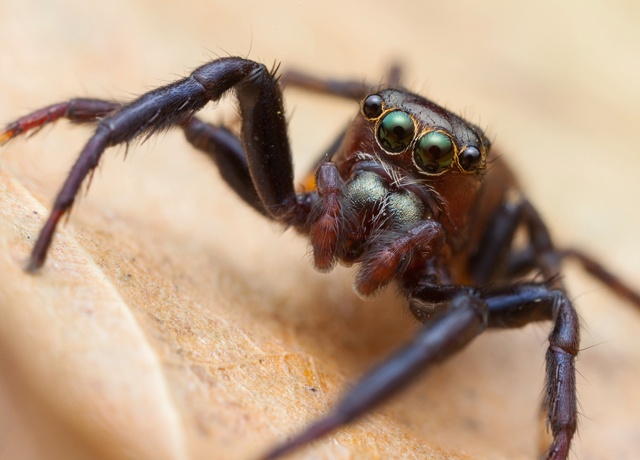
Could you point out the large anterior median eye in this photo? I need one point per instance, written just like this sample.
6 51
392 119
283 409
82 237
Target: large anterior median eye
434 152
395 131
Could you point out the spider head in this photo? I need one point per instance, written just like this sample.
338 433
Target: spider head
419 146
422 137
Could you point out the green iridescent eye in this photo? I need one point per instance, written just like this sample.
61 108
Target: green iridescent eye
434 152
395 131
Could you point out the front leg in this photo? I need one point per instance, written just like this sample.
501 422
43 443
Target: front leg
516 306
79 110
464 320
264 137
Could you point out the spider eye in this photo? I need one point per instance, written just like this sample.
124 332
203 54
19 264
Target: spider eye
395 131
434 152
372 106
470 158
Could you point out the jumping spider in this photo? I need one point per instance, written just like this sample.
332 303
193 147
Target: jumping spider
406 192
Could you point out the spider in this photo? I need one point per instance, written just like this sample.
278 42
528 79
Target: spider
410 191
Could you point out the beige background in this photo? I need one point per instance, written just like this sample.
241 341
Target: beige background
172 322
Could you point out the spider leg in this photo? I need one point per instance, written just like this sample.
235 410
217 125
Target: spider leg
516 306
227 152
523 261
466 315
526 303
78 110
264 137
454 328
348 89
496 259
218 143
223 147
599 271
509 306
489 260
560 403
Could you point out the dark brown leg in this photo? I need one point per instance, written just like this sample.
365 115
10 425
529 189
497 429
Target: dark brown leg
596 269
509 306
496 260
218 143
75 110
465 318
355 90
264 137
560 404
521 262
466 314
560 401
516 306
227 152
489 261
349 89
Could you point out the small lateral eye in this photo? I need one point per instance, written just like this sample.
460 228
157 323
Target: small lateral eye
372 106
395 131
469 158
434 152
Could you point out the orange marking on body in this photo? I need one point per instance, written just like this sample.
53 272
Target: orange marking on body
309 183
8 134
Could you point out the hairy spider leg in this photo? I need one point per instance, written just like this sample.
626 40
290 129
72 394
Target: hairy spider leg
227 152
560 403
599 271
493 262
488 263
467 314
516 306
454 328
496 259
523 261
264 137
348 89
218 143
80 110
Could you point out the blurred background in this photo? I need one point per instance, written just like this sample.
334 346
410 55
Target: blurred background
181 325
